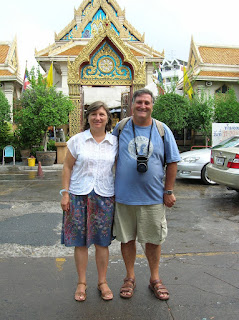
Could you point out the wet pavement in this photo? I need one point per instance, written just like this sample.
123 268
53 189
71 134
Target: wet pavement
199 264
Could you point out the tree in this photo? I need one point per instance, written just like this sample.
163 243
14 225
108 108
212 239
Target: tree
172 109
41 107
6 134
4 108
201 113
226 107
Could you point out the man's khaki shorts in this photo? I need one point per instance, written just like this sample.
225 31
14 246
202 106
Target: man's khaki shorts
147 224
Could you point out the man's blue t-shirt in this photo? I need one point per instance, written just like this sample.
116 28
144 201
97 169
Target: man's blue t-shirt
131 186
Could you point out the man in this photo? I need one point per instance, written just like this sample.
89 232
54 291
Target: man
141 195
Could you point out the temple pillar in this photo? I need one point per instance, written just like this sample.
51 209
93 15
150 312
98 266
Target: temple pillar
64 77
76 116
149 73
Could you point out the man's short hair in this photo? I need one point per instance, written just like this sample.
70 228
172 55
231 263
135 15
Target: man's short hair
140 92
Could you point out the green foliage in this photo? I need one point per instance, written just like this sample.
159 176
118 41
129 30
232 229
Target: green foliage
226 107
41 107
4 108
51 145
201 113
6 135
172 109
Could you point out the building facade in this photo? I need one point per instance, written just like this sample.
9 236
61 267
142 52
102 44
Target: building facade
213 68
10 80
172 72
98 54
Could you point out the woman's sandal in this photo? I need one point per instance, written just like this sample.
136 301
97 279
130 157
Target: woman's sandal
127 289
159 290
80 295
106 295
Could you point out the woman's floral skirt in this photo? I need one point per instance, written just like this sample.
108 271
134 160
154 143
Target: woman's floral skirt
89 221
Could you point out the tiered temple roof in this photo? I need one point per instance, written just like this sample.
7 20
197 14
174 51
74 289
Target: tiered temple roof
210 62
86 23
8 59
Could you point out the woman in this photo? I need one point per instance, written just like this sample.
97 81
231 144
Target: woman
88 195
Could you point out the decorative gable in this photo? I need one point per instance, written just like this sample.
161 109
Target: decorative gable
104 65
9 57
88 21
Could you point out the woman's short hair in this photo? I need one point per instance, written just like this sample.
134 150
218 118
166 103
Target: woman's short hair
94 107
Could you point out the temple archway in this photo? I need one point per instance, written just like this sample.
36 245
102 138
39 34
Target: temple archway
104 61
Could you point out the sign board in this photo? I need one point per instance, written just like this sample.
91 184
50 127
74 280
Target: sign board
223 131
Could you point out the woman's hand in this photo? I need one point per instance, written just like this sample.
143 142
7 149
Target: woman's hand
65 201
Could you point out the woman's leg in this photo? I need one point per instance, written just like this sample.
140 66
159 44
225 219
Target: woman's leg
81 261
102 259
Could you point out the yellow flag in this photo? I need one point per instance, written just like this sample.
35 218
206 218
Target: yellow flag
49 78
187 87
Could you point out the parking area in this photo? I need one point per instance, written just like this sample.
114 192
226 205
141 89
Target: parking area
199 262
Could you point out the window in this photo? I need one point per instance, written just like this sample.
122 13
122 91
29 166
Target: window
222 89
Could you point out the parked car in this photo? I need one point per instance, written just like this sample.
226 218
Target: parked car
224 167
193 163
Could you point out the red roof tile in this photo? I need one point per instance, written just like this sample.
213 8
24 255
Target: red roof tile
215 55
4 48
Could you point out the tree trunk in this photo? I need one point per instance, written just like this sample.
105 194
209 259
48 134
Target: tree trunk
45 139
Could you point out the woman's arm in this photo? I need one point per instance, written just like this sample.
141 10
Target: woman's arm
66 175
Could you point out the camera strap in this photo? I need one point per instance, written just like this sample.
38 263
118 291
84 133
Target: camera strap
135 138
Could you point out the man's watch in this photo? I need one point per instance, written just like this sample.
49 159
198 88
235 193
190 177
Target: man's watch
168 192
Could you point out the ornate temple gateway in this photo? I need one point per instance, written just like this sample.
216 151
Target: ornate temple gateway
101 54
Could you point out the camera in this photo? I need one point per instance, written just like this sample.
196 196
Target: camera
142 164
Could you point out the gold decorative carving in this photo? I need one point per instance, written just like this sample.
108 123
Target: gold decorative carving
106 65
75 117
66 30
89 14
106 61
84 57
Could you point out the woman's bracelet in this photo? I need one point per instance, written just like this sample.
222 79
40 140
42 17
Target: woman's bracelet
64 190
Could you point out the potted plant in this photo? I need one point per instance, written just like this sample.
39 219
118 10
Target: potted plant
39 108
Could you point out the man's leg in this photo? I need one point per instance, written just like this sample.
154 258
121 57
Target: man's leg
153 253
129 255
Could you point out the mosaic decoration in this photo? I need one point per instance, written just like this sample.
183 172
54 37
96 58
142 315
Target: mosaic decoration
96 24
112 8
69 35
87 8
88 19
106 65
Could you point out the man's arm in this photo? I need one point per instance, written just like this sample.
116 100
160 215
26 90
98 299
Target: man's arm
171 172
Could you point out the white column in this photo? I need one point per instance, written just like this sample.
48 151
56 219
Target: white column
64 77
149 73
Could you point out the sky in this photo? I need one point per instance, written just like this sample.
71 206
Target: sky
168 24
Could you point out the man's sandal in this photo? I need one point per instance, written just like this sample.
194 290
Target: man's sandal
159 290
127 289
80 295
105 295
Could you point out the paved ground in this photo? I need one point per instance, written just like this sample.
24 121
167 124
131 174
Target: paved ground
199 263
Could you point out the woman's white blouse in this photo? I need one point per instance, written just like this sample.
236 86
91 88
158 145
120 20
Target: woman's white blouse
93 168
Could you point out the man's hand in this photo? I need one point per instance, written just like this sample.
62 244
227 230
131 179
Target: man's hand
169 200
